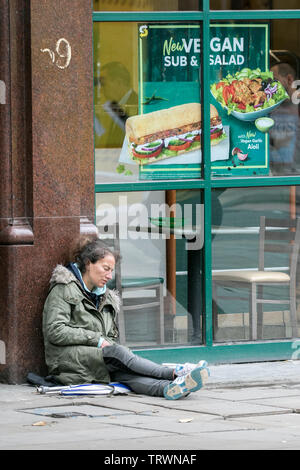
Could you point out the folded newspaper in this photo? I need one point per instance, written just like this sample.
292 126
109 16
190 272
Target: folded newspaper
113 388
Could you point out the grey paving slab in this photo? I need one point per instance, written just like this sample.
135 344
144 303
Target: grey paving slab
289 422
243 439
255 374
79 433
289 402
58 435
251 393
285 433
244 406
224 408
180 423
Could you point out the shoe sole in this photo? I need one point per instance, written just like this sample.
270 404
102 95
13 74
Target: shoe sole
193 382
201 363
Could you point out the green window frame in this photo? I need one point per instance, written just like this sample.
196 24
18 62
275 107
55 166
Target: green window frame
216 353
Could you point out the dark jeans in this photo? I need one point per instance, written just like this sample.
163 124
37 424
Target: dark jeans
141 375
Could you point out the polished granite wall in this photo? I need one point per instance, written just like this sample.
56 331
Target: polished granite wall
47 163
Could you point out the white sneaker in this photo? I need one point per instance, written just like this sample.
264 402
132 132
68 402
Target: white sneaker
183 386
183 369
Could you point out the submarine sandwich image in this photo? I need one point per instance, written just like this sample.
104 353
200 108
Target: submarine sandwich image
169 132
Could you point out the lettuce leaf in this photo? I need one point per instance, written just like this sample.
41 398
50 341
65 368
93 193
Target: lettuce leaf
280 94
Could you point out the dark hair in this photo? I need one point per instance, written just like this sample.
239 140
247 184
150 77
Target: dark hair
284 69
91 250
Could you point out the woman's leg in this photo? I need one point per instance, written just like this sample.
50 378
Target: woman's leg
147 377
141 384
119 358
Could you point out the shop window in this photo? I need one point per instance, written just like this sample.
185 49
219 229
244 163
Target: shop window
161 237
251 88
236 252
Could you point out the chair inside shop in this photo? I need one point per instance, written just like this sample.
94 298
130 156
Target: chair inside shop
276 235
110 234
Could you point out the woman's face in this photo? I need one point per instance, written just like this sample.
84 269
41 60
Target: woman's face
99 273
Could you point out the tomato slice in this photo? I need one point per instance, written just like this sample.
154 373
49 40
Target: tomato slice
183 146
242 106
226 93
215 135
220 84
147 155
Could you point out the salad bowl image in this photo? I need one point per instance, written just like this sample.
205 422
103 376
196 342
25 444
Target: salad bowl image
249 94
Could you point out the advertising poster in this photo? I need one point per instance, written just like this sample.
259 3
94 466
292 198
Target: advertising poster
164 139
239 64
169 90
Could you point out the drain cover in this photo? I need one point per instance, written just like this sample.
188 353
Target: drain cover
72 411
66 414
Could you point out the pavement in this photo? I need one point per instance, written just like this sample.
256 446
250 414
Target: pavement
253 406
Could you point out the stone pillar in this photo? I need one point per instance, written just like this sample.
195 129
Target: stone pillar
47 164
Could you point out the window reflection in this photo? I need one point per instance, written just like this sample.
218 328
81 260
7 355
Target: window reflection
236 251
119 102
146 5
160 240
254 4
285 134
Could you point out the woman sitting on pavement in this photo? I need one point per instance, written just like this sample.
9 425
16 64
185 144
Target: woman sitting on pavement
80 332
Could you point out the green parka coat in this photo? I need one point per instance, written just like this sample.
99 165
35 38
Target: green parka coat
72 327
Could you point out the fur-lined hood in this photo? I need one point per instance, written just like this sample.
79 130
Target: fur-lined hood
62 275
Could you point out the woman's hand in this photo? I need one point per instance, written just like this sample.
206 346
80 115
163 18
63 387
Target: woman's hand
105 343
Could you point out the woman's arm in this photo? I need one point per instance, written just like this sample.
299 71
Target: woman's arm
57 319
